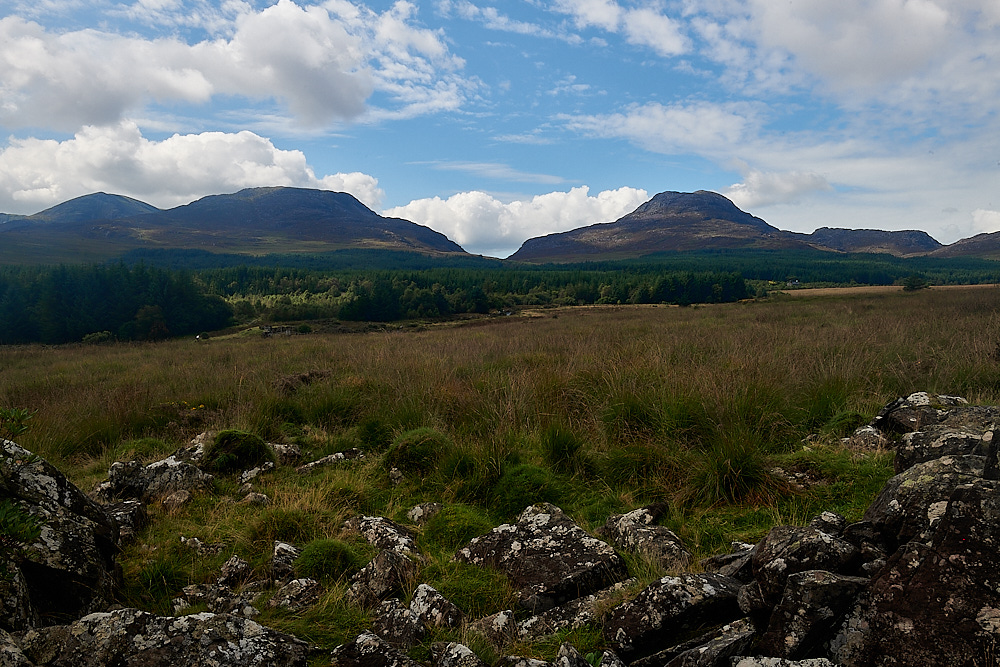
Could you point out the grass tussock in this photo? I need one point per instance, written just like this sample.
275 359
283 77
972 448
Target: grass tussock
598 410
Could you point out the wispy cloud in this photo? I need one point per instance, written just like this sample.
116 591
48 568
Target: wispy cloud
498 171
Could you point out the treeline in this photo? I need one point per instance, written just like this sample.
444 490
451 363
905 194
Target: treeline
104 302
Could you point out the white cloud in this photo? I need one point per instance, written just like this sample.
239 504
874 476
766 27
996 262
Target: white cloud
760 188
482 224
496 170
323 63
36 174
642 26
985 221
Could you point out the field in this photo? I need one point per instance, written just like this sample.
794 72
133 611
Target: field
596 409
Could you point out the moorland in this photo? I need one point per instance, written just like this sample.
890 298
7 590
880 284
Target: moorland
597 409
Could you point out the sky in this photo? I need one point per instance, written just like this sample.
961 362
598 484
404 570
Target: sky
494 122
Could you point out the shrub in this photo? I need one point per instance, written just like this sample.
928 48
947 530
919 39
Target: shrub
522 485
455 525
328 560
234 451
734 470
420 450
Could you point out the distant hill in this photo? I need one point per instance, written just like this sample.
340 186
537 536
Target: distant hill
254 221
670 221
986 246
898 243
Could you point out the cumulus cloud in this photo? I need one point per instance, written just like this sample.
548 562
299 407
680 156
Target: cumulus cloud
483 224
760 188
679 128
322 62
36 173
985 221
642 26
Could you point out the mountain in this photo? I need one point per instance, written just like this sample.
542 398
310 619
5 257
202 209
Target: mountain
986 246
253 221
670 221
899 243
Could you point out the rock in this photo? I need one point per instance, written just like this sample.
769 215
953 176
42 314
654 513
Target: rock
152 482
732 640
452 654
780 662
129 637
636 532
288 454
396 476
283 561
397 624
369 650
16 610
518 661
70 569
10 652
547 557
218 599
384 533
176 500
609 659
813 604
668 608
568 656
422 513
935 603
256 500
573 615
252 474
296 595
353 454
234 572
737 564
786 550
202 548
866 437
936 441
916 411
500 628
386 574
130 516
911 503
433 610
830 523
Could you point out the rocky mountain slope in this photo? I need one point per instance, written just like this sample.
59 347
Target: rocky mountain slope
252 221
900 243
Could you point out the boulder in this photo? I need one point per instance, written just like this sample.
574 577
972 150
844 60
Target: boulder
389 572
936 441
283 561
152 482
218 599
130 517
780 662
353 454
384 533
296 595
397 625
916 411
547 557
16 610
934 603
912 502
636 532
667 609
234 572
176 500
452 654
369 650
133 638
433 610
568 656
500 628
423 512
733 639
10 652
574 614
814 602
786 550
830 523
70 569
737 564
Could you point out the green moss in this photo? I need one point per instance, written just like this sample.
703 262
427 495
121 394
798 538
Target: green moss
328 560
419 450
235 451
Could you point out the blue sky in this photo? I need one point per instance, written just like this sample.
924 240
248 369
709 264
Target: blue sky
493 122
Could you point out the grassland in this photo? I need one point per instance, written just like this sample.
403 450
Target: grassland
597 409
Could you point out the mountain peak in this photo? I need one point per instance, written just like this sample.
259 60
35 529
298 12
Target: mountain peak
96 206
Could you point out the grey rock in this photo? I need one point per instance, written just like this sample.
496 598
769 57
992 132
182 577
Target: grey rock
203 549
433 610
568 656
389 572
547 557
133 638
574 614
288 454
256 500
452 654
70 570
732 640
786 550
738 564
218 600
830 523
912 502
10 652
668 608
934 603
152 482
176 500
636 532
353 454
254 473
397 625
500 628
283 561
918 410
370 650
518 661
813 604
234 572
610 659
384 533
130 516
422 513
936 441
866 437
296 595
780 662
16 610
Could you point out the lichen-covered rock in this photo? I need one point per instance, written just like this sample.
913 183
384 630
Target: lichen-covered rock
283 561
732 640
383 533
610 659
935 603
636 532
10 652
70 568
176 500
152 482
936 441
253 473
389 572
353 454
916 411
786 550
433 610
203 548
423 512
830 523
130 516
369 650
452 654
287 453
668 608
737 564
500 628
813 604
133 638
234 572
397 625
574 614
780 662
911 503
16 610
568 656
547 557
519 661
297 594
218 600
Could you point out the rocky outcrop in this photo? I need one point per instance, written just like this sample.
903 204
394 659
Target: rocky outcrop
548 558
636 532
131 479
